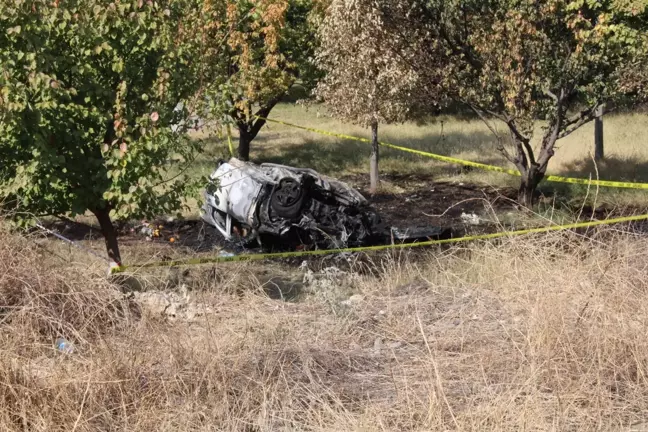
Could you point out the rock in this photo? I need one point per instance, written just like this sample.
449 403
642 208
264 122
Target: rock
154 303
327 280
171 305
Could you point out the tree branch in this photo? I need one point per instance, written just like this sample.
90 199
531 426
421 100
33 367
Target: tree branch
578 120
261 115
551 136
552 95
500 146
518 137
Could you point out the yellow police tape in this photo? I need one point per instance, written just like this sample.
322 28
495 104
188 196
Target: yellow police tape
264 256
553 178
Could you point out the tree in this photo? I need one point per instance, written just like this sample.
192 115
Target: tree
364 82
634 79
520 60
88 97
269 48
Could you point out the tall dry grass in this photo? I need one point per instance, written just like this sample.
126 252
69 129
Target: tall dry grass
542 333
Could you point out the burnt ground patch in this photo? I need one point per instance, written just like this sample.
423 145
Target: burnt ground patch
426 202
412 201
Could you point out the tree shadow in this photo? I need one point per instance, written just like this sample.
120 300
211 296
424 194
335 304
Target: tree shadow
449 143
324 157
328 156
614 168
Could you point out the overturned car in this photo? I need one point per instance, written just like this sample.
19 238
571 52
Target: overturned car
277 206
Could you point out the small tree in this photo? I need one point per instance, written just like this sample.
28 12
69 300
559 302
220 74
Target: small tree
364 82
88 91
520 60
269 47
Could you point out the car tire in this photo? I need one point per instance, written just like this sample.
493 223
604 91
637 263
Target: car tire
288 198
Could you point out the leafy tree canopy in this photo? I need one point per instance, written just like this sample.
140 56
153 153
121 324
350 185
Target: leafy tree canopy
88 97
364 82
269 47
520 60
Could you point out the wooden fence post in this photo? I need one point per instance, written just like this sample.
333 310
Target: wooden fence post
598 134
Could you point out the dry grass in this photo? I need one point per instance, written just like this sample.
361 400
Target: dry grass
466 139
543 333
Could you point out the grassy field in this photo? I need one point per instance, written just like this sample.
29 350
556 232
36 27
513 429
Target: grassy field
517 336
625 136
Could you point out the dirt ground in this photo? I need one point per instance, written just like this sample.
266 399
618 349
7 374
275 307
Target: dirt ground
405 201
420 201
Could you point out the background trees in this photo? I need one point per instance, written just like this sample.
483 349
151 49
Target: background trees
364 82
517 61
269 47
96 95
87 96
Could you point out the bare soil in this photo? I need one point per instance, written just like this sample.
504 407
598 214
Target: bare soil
408 201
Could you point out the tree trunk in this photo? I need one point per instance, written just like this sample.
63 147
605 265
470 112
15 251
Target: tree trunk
531 178
373 165
598 134
109 233
245 138
249 127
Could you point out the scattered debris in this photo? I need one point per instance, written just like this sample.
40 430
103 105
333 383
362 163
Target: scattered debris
353 300
64 346
326 280
172 305
470 219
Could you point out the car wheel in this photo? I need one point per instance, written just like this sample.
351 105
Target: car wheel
287 199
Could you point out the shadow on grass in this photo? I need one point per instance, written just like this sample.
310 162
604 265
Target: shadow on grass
448 143
320 156
613 168
329 156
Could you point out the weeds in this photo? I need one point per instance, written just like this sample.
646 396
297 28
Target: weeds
541 333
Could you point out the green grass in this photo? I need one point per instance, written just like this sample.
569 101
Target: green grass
624 134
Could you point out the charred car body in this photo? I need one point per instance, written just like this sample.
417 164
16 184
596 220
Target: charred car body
277 205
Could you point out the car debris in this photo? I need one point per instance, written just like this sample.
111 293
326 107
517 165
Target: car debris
273 205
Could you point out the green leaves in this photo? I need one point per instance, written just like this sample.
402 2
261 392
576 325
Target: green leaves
268 47
84 116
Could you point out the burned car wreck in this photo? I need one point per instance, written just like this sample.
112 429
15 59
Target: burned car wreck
281 207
